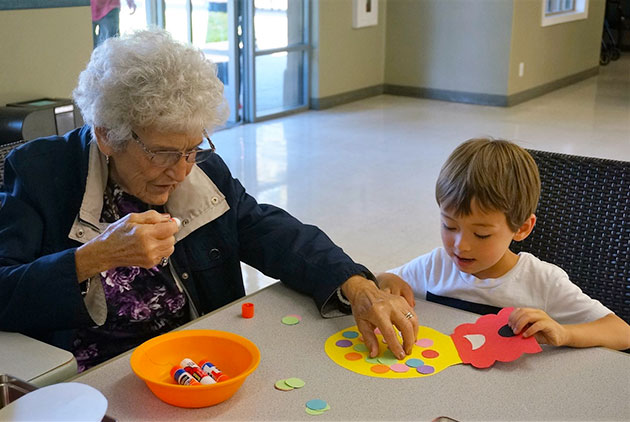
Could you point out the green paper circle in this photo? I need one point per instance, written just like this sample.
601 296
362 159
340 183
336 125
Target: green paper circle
290 320
294 382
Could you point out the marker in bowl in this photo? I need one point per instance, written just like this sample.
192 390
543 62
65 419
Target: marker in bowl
196 372
182 377
214 372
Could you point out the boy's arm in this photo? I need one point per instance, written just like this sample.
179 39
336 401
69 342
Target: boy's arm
609 331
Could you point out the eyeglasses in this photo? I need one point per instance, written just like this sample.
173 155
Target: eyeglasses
170 158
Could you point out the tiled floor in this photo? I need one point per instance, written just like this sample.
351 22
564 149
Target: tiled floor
364 172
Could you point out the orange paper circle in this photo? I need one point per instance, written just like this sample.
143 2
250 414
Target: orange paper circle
353 356
379 369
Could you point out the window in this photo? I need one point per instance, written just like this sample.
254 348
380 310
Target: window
561 11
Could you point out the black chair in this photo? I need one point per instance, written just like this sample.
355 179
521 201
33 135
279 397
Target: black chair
4 151
584 224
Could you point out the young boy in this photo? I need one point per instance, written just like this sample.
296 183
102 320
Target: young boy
487 192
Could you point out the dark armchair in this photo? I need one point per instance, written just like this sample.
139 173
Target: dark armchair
4 151
584 224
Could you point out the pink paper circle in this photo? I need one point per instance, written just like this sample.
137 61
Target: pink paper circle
424 342
399 367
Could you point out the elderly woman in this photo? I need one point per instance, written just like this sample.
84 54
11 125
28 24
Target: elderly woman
91 256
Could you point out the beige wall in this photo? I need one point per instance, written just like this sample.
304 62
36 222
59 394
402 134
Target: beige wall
42 52
459 45
345 59
454 45
553 52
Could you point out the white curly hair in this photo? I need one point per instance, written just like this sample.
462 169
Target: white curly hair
148 80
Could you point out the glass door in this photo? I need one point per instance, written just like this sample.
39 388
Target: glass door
209 25
276 57
265 39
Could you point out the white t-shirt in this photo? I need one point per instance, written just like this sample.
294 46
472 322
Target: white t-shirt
532 283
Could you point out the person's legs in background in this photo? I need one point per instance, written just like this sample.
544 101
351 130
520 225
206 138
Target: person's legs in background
106 27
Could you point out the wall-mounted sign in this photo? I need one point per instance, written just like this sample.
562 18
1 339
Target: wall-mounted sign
364 13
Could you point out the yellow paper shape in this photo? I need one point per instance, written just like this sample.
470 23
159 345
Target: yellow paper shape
442 344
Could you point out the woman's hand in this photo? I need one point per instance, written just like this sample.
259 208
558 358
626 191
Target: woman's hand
535 322
373 308
140 240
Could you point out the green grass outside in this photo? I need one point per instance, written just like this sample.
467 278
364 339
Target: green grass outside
217 27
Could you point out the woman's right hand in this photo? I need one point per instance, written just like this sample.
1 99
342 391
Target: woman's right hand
395 285
141 240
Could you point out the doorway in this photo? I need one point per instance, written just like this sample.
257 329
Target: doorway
261 48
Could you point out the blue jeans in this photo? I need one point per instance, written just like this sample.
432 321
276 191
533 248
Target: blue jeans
107 26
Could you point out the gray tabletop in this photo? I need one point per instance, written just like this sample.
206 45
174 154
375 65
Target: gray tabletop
34 361
557 384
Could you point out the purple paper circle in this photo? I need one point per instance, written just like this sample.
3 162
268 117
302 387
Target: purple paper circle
426 369
343 343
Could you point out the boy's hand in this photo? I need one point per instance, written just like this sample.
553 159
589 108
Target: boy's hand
395 285
537 323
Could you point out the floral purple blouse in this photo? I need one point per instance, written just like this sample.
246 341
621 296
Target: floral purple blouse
141 303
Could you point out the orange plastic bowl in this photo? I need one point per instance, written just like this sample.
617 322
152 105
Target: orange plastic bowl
234 355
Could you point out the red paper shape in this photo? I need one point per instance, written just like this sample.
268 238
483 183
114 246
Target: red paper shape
480 344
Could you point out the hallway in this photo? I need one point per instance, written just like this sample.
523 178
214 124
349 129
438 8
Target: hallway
365 172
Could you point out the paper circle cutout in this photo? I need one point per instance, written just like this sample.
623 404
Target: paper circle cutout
414 363
430 354
282 386
360 347
350 334
426 369
379 369
294 382
316 404
424 342
399 367
343 343
353 356
290 320
313 412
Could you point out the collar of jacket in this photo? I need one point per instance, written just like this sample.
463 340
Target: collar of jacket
196 201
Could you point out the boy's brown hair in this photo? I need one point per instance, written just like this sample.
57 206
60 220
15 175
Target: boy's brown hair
498 174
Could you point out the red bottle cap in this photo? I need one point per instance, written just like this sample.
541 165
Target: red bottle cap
222 377
174 369
247 310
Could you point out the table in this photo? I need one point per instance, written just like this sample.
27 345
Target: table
557 384
33 361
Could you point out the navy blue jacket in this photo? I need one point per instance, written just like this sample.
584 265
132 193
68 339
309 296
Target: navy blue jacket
44 186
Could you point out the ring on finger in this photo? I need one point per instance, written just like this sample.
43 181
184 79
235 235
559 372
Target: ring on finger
164 261
409 315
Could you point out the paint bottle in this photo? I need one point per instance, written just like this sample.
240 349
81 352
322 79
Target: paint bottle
182 377
214 372
196 372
